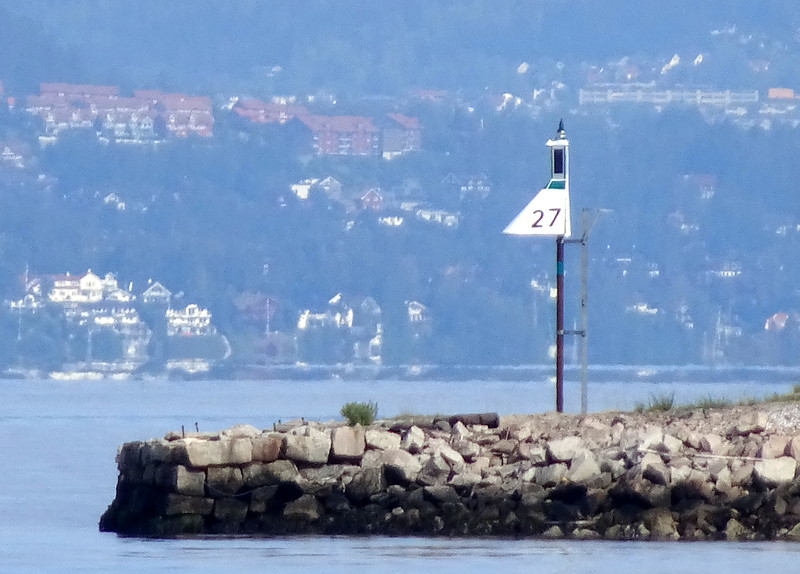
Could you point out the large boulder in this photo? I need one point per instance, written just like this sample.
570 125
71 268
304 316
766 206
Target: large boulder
348 443
382 439
772 472
365 483
564 449
583 468
401 466
305 509
413 440
262 474
267 447
774 447
200 453
223 480
308 445
182 480
172 504
241 431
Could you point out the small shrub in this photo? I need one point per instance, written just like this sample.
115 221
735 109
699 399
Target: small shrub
658 403
360 413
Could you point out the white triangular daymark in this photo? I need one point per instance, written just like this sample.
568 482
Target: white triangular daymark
547 214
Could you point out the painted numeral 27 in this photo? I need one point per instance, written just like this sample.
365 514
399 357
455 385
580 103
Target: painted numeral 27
539 215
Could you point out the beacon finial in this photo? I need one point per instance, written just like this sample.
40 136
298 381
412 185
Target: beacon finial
561 132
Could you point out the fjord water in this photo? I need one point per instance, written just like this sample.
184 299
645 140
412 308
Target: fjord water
58 475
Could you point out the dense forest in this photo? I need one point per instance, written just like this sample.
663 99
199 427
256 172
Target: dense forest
215 218
358 46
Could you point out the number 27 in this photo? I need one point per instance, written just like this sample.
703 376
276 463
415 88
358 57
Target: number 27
539 215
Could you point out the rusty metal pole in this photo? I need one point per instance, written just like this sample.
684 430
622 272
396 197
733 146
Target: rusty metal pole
560 324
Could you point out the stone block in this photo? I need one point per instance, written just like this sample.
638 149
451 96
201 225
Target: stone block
467 478
173 504
259 474
505 446
460 431
451 457
261 497
751 424
654 469
365 483
129 456
435 471
401 466
305 509
267 447
308 445
182 480
348 443
550 475
716 466
564 449
231 511
652 437
583 468
381 439
413 440
775 446
223 480
661 524
157 451
713 444
201 453
440 494
241 431
793 449
468 450
775 471
672 445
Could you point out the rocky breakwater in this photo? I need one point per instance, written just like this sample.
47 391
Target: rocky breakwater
686 475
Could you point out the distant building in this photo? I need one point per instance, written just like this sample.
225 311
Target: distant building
156 293
191 321
401 134
135 119
338 135
267 112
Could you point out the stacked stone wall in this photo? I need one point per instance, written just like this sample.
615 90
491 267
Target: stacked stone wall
695 475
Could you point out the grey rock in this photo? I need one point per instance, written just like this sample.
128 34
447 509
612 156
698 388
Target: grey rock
240 431
775 471
267 447
413 440
381 439
348 443
365 483
173 504
308 445
551 475
231 511
401 464
563 450
223 480
182 480
306 509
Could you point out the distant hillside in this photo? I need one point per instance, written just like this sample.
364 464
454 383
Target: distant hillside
359 45
29 54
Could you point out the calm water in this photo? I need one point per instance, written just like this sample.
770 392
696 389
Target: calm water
57 475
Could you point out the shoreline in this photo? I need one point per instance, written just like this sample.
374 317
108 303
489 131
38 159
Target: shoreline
687 474
511 373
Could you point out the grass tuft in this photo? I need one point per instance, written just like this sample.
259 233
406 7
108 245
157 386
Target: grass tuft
657 403
360 413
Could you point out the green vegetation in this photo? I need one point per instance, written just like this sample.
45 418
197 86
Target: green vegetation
709 402
657 403
360 413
